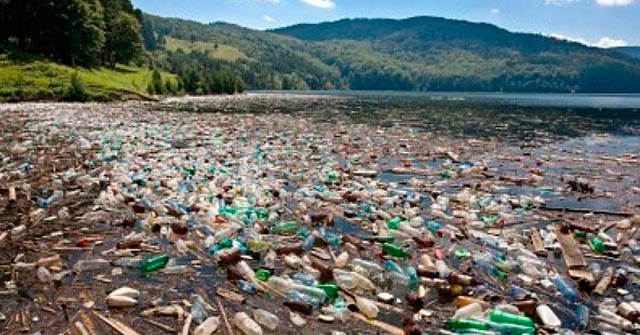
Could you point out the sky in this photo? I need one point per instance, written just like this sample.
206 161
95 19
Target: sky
602 23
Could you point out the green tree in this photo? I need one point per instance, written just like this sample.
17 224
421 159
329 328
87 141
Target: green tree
126 40
84 27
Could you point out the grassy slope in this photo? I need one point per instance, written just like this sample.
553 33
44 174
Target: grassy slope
222 51
40 79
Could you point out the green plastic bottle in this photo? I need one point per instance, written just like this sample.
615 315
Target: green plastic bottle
286 228
504 317
395 251
263 275
597 244
330 290
511 329
154 263
463 324
394 223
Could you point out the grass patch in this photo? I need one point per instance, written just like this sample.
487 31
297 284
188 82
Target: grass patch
222 51
41 79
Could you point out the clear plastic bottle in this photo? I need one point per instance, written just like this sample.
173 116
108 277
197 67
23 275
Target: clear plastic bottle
246 324
468 311
208 327
266 319
367 307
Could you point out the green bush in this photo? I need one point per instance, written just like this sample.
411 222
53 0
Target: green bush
156 86
77 90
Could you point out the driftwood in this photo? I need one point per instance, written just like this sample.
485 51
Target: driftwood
117 325
393 330
586 210
538 245
187 325
604 282
571 251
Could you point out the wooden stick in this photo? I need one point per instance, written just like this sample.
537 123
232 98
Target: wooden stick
393 330
117 325
80 327
187 325
161 326
223 312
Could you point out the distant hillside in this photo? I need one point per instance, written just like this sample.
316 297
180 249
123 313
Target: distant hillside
416 54
633 52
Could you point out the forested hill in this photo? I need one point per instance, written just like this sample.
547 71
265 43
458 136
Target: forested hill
416 54
440 54
119 47
633 52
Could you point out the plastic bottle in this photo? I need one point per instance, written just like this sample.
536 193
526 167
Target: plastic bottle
363 282
344 279
315 292
564 287
247 287
263 275
442 268
286 228
208 327
511 329
294 295
279 284
154 263
395 251
342 259
246 324
266 319
413 278
91 265
490 269
503 317
44 275
468 311
597 244
582 312
198 311
304 279
371 267
548 317
394 223
467 324
367 307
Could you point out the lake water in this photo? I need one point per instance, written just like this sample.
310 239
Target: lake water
598 101
516 118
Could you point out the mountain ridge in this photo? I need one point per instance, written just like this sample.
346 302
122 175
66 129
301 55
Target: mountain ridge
414 54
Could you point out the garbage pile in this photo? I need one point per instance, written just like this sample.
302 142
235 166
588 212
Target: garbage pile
269 223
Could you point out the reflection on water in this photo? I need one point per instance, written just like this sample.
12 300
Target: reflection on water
483 119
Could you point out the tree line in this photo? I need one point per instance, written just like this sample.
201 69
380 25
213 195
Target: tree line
91 33
75 32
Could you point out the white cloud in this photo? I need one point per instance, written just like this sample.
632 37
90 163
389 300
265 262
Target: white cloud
605 42
269 18
326 4
495 11
612 3
269 1
559 2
